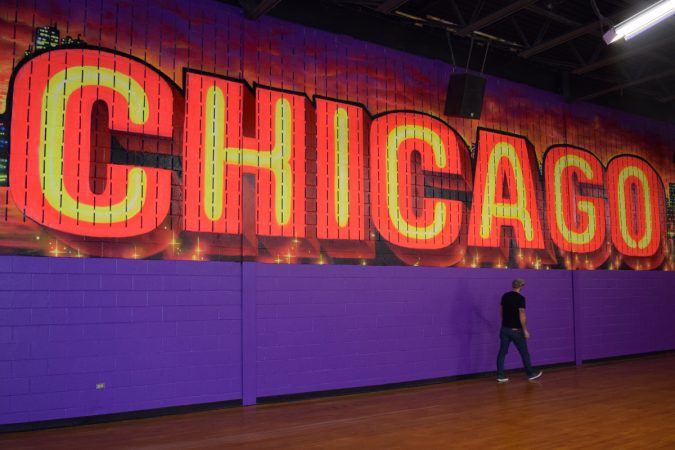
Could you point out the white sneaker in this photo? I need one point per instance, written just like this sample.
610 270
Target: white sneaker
502 380
535 376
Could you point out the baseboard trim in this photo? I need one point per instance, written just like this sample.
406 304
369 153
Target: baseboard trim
628 357
390 386
116 417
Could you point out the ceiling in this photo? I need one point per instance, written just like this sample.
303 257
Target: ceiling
550 44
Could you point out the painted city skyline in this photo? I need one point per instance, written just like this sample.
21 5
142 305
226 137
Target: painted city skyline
214 38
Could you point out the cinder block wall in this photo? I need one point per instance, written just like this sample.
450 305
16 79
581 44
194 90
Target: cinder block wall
625 312
156 333
167 333
328 327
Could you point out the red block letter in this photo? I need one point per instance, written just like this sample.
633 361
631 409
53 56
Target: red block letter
401 212
216 153
504 161
54 95
577 221
340 162
636 206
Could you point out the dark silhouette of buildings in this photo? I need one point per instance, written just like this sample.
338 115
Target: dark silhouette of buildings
46 38
4 152
49 37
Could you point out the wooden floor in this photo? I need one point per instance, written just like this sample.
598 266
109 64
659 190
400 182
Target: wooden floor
619 404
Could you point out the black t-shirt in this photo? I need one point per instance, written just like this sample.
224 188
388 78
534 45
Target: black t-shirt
511 302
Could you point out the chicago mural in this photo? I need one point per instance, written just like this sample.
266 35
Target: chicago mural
201 135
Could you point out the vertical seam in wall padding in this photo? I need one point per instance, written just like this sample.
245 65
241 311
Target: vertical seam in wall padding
248 335
576 320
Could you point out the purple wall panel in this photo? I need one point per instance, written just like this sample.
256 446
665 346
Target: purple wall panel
625 312
329 327
169 333
157 333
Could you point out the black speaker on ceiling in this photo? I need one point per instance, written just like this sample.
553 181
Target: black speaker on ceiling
465 96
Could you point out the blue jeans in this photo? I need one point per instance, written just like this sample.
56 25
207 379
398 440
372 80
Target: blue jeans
515 335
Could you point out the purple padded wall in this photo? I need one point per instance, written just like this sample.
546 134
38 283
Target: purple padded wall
157 333
625 312
168 333
329 327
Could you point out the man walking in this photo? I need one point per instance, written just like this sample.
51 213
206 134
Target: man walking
514 329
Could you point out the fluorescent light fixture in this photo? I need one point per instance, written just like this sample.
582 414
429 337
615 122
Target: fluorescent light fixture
641 21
